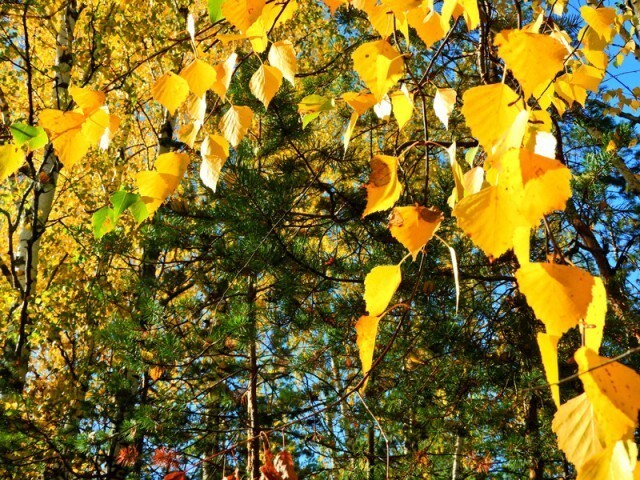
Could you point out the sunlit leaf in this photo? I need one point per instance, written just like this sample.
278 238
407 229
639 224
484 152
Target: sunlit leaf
170 90
616 462
490 111
414 226
214 152
199 75
402 103
235 124
379 66
490 218
579 435
614 392
383 189
601 20
224 71
534 58
367 330
548 345
571 289
283 57
242 13
379 286
360 102
265 82
34 137
443 103
11 158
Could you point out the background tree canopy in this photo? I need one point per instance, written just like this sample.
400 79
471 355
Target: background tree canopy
331 239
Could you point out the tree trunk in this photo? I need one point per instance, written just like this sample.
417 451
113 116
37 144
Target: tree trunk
35 217
253 446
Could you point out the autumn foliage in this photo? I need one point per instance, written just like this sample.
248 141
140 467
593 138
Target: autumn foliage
213 210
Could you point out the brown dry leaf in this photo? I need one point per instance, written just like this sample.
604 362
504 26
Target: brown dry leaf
285 465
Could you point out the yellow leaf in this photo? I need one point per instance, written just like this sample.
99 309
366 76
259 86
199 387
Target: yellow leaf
11 159
283 57
349 130
94 126
72 133
579 435
379 286
549 352
360 102
156 186
367 330
265 82
214 152
257 35
277 13
379 66
380 16
383 189
616 462
414 226
224 71
601 20
490 218
559 295
443 104
88 100
188 133
521 244
430 27
547 186
235 124
242 13
467 8
490 111
170 90
172 163
197 107
402 106
534 58
199 75
614 392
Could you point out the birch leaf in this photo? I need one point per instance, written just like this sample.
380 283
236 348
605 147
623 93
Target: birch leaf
11 159
170 90
235 124
199 75
579 435
443 104
265 82
214 151
614 392
490 111
414 226
283 57
383 189
379 286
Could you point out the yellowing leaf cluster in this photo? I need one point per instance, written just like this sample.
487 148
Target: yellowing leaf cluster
73 133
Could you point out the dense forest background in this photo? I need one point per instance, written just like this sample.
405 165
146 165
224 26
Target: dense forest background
172 320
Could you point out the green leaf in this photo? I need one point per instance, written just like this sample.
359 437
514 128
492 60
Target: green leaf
35 137
139 211
308 118
121 200
104 220
470 155
215 10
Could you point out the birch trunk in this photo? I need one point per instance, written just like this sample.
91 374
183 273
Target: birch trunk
36 215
